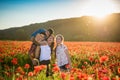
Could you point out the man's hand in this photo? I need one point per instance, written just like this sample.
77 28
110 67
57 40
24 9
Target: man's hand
38 38
32 38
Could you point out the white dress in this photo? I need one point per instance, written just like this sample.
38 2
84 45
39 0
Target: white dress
45 53
61 55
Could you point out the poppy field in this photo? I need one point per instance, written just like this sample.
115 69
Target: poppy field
90 61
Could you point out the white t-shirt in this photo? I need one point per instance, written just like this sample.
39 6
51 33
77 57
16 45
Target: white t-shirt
45 53
61 55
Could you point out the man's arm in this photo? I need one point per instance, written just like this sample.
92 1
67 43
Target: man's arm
43 42
37 31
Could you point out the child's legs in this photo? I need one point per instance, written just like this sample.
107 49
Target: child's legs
63 68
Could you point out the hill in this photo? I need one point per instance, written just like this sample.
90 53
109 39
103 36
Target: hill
85 28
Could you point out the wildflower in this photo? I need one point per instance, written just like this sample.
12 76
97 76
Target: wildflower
90 78
119 70
76 65
12 53
67 66
7 68
20 70
96 60
27 66
83 67
104 70
43 66
103 59
63 75
54 65
72 77
37 69
20 78
85 63
30 74
79 75
73 70
14 61
114 78
1 60
7 73
105 78
56 69
84 76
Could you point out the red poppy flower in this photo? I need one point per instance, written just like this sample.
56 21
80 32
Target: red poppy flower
20 70
1 60
43 66
37 69
20 78
119 70
27 66
72 77
103 59
56 69
67 66
63 75
54 65
105 78
30 74
91 59
14 61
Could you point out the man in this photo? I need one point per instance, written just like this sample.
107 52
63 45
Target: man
47 32
35 37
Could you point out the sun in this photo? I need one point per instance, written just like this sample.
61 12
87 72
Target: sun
99 8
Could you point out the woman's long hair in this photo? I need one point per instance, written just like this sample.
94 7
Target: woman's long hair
52 45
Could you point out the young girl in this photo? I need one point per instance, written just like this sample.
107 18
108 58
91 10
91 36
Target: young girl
62 55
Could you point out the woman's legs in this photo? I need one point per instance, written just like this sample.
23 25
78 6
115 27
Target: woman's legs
46 62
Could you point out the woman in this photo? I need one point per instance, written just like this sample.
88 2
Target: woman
46 48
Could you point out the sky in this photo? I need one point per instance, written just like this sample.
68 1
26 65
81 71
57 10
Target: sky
17 13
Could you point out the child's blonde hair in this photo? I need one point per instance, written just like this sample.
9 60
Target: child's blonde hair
61 36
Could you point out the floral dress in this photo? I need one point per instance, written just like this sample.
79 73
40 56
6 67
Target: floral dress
61 55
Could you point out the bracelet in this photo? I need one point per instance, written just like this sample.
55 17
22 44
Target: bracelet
36 60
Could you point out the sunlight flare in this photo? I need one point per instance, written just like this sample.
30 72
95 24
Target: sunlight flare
99 8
